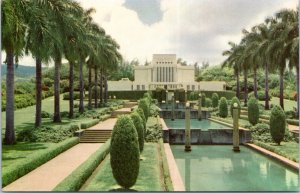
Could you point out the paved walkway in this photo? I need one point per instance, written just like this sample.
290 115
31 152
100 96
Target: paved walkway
125 110
108 124
49 175
293 128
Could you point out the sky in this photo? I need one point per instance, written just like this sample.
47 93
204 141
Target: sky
195 30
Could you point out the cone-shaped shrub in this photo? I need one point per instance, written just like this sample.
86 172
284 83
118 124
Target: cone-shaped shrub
223 107
142 115
235 100
139 125
203 99
124 152
144 104
253 111
208 102
215 100
277 124
148 97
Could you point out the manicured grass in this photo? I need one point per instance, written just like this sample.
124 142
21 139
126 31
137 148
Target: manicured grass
288 104
18 160
289 150
229 120
149 178
78 177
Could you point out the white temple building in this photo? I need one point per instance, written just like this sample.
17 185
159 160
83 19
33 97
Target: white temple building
165 72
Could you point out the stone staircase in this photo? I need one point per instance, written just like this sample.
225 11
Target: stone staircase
95 136
122 111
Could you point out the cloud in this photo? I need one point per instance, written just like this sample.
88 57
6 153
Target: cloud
195 30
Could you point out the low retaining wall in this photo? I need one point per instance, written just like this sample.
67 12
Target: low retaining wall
180 114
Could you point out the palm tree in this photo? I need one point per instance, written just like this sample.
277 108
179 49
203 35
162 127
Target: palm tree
13 34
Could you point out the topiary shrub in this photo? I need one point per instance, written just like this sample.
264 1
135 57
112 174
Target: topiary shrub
277 124
124 152
235 100
142 115
144 104
208 102
223 107
215 100
253 111
203 99
147 96
138 123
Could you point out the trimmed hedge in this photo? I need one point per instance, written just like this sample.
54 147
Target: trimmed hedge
76 95
215 100
277 124
36 160
139 126
78 177
253 111
203 99
142 115
223 107
89 124
129 95
292 122
124 152
208 102
144 104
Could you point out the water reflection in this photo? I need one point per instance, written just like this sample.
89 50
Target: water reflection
217 168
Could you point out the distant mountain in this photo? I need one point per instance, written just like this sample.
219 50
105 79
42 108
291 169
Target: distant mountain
20 71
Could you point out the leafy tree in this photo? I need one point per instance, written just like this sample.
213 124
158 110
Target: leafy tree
277 124
253 111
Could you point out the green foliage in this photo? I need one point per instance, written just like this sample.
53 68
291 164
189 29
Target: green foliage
144 104
125 154
153 130
89 124
140 111
24 100
24 87
260 95
203 99
261 132
138 123
36 160
208 102
48 82
253 111
215 100
292 122
223 107
130 95
153 110
47 133
147 95
277 124
79 176
66 96
45 114
235 100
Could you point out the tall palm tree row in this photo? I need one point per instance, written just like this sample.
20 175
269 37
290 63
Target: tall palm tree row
51 30
271 46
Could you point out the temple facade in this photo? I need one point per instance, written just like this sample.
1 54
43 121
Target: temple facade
164 72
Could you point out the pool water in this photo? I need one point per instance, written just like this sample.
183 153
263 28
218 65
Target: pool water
204 124
218 168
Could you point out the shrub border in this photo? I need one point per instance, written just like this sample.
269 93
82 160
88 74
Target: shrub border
20 170
78 177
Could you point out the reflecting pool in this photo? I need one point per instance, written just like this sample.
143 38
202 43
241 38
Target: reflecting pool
204 124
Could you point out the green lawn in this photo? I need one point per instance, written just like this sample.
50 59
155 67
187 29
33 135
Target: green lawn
149 178
288 104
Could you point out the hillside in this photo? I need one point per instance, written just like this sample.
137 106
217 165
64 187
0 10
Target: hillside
20 71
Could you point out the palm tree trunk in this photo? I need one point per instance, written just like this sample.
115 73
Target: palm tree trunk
38 93
106 89
81 87
57 64
101 88
71 91
9 130
255 82
267 106
298 105
281 96
96 88
90 89
245 87
238 84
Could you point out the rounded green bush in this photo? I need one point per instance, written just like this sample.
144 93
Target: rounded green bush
203 99
277 124
144 104
142 115
139 125
215 100
148 97
208 102
124 152
235 100
223 107
253 111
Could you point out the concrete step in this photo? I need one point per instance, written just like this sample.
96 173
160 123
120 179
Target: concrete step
95 136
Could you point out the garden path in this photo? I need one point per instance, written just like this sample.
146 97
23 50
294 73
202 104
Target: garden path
105 125
49 175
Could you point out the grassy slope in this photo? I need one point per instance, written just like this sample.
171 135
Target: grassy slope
288 104
148 179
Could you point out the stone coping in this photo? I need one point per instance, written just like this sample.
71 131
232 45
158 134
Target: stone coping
177 182
227 124
163 124
280 158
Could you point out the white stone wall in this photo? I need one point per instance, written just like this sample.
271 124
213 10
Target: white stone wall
121 85
213 85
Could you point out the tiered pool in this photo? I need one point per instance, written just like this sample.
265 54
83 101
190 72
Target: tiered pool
218 168
195 124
